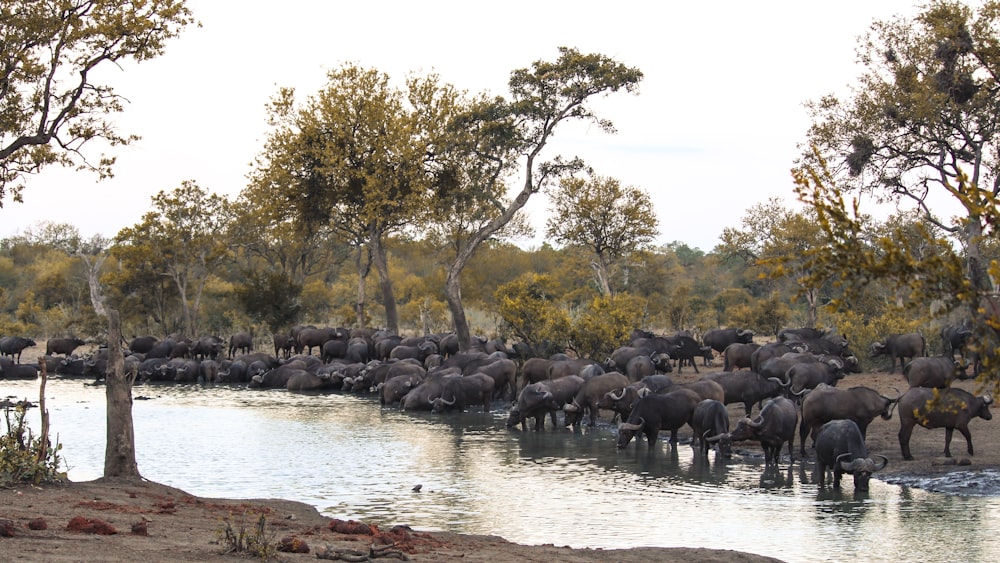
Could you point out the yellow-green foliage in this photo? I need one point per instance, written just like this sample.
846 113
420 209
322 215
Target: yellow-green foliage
605 324
317 300
531 311
862 330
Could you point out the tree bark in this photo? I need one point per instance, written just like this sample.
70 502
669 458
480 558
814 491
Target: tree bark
385 283
363 269
453 294
119 453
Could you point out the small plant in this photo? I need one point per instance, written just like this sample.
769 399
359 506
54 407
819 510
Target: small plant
255 540
25 458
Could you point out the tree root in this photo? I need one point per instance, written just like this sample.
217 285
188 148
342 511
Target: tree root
374 551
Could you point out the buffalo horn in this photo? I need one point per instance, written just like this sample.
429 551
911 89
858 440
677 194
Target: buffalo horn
845 465
571 407
715 438
446 401
885 461
618 397
644 391
757 422
784 384
988 398
632 427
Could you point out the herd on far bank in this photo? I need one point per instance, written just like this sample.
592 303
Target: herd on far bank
793 379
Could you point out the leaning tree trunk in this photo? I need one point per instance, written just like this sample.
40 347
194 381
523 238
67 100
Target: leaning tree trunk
119 454
453 294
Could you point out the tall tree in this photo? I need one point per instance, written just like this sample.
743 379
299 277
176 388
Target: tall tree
775 239
357 154
183 240
923 119
51 107
610 220
502 137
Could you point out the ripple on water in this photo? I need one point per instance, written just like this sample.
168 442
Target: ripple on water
353 459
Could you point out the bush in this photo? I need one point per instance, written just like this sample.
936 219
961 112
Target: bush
23 457
243 540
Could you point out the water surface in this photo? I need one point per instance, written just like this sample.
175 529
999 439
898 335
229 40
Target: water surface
353 459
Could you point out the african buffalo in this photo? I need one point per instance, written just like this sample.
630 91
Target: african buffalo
241 341
458 393
770 350
840 445
802 377
543 398
746 388
142 344
719 339
933 371
774 426
910 345
949 408
10 370
738 355
622 401
590 393
13 346
654 413
956 338
826 403
710 418
64 346
396 387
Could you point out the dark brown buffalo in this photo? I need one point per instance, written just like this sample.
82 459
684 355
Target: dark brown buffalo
825 403
738 355
241 341
933 371
900 346
840 446
719 339
745 387
654 413
774 426
545 397
64 346
710 418
590 393
13 346
949 408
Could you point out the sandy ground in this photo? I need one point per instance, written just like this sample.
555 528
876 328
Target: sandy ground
153 522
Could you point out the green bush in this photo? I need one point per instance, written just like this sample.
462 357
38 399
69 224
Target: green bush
23 457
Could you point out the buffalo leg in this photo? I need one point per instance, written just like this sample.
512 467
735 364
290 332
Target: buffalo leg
904 441
947 440
968 438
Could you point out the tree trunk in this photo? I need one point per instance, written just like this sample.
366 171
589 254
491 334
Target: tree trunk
812 296
453 293
600 268
363 269
385 283
119 453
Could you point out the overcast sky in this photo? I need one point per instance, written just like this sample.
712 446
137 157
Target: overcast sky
712 131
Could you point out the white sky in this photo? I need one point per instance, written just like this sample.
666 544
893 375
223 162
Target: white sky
713 130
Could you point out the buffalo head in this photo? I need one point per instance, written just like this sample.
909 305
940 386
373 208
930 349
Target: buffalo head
627 431
861 468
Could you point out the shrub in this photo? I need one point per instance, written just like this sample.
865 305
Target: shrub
243 539
23 457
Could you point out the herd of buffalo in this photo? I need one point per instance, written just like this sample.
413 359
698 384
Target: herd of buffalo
792 381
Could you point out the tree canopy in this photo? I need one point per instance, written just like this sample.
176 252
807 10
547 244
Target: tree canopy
599 214
51 106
